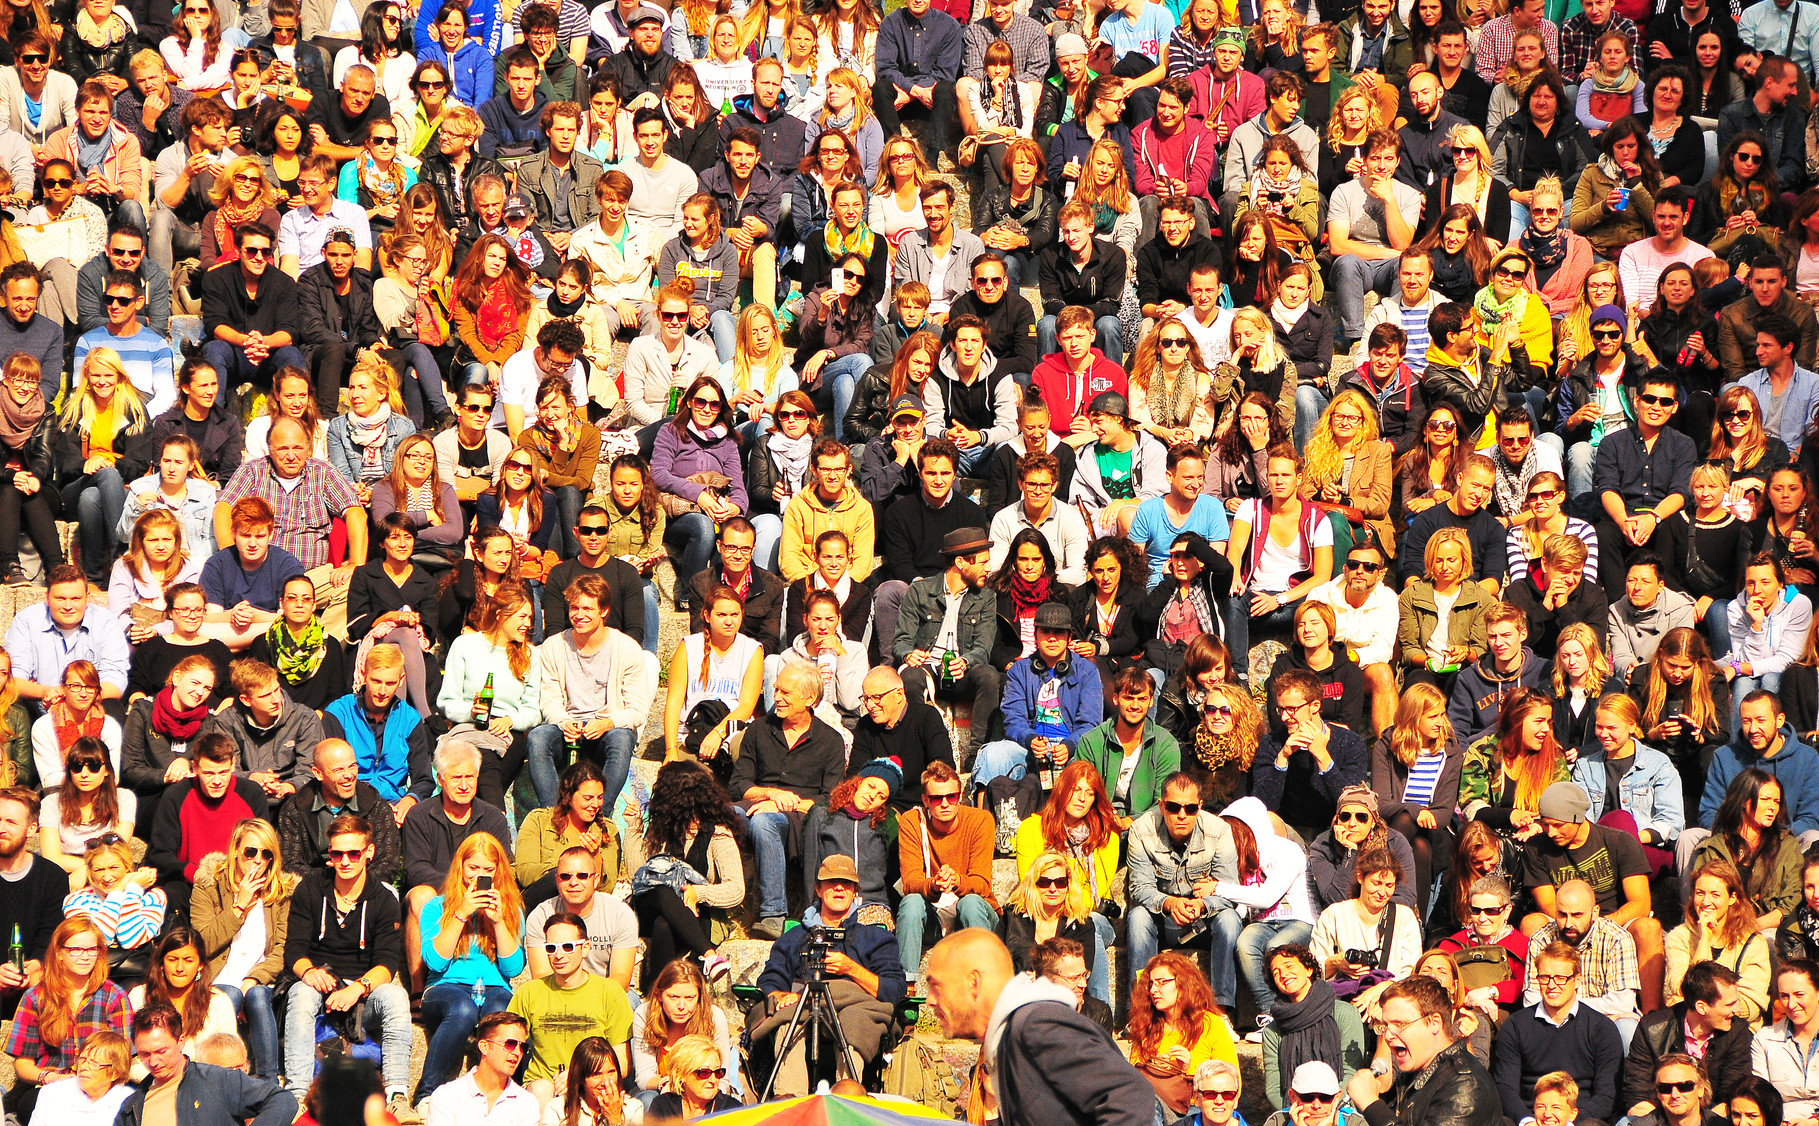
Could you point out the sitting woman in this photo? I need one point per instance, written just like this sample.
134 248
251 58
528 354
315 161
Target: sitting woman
1175 1027
678 1002
1542 517
470 949
1561 257
1106 609
76 715
1278 551
1581 670
1304 332
1428 474
159 729
1183 607
312 664
840 661
417 491
1478 854
1018 217
376 180
565 448
1308 1023
521 506
1171 388
1721 926
1357 925
1486 912
1614 203
568 300
241 195
362 442
702 253
1349 470
1271 888
1505 772
1023 582
73 1001
293 396
579 818
1287 193
778 467
177 484
596 1094
635 530
490 302
26 423
689 819
697 465
696 1075
179 976
1314 646
1766 631
836 326
391 600
1415 775
101 1083
861 824
122 901
662 365
1046 905
241 909
1646 785
1677 139
1226 732
1356 831
500 655
997 112
758 375
88 805
1611 90
1440 626
1460 252
1741 202
101 415
1473 1026
719 666
471 603
1745 450
1078 822
1469 183
141 585
1750 832
1528 58
1686 706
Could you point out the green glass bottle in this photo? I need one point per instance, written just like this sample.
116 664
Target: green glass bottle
483 703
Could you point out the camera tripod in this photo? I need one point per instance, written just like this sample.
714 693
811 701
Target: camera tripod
821 1019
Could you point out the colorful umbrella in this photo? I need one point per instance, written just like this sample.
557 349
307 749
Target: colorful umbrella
827 1110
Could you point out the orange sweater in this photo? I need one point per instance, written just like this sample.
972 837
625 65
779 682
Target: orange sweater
967 850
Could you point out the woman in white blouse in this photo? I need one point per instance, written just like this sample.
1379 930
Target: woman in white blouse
92 1096
194 51
379 51
240 909
1358 925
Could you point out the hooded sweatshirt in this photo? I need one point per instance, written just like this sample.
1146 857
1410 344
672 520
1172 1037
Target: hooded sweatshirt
1051 1064
1478 692
807 516
1795 766
287 748
1068 394
1636 634
987 404
708 269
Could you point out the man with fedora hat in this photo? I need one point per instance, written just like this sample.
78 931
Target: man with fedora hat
944 628
1050 701
864 971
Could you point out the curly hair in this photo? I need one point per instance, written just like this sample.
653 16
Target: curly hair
846 791
1133 561
684 794
1196 1004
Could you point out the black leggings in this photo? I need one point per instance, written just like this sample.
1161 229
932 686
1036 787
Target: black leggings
1433 849
664 921
499 771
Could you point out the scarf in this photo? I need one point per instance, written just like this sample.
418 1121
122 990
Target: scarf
839 246
228 217
1026 595
92 155
385 186
497 316
1216 752
100 35
1548 251
1289 186
790 456
68 731
1105 218
1492 312
1286 318
1519 82
563 310
1309 1032
1512 480
177 726
368 432
1622 84
17 421
709 436
298 658
1171 394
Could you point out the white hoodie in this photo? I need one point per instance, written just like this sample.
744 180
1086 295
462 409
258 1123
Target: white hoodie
1284 869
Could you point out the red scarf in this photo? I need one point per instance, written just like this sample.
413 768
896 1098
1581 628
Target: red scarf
1026 596
68 732
497 316
177 726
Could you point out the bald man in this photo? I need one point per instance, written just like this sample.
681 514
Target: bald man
1610 976
335 788
901 726
1051 1065
1427 148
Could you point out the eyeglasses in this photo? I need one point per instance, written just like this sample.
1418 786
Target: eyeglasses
1549 212
991 281
1364 565
1173 342
82 951
1544 494
1351 816
897 156
1501 907
337 855
1513 273
878 697
1554 979
89 688
564 947
248 178
855 275
476 406
432 84
794 412
256 252
1684 1087
1737 416
59 182
1607 334
1224 1095
510 1044
1348 416
251 851
1047 882
704 1072
1176 808
119 299
574 877
735 549
1657 400
941 799
524 465
383 140
1218 709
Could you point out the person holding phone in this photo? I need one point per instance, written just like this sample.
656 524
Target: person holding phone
471 950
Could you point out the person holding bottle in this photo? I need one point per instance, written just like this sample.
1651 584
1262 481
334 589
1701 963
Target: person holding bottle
491 682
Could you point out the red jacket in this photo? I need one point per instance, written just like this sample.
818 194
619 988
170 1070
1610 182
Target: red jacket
1509 992
1067 394
1192 154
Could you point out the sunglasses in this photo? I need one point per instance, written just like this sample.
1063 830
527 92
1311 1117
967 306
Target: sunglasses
1607 334
1488 910
249 178
574 877
1658 400
1443 425
1749 158
119 299
1224 1096
591 529
1544 494
704 1072
1319 1100
1046 882
383 140
700 403
855 275
1351 816
511 1044
988 281
564 947
106 839
337 855
1512 274
1176 808
59 182
431 84
1737 416
257 252
1684 1087
524 465
796 412
252 851
30 60
87 768
941 799
1174 342
119 252
1364 565
476 407
1219 709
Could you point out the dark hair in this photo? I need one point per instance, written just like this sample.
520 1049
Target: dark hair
1299 952
1676 194
566 918
1546 79
684 794
275 111
1447 319
1702 980
1739 804
155 1016
1759 1090
1007 573
213 747
1133 561
492 1022
113 278
22 269
253 228
1779 326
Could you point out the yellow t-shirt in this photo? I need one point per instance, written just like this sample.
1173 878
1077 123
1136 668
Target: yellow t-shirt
1214 1043
101 431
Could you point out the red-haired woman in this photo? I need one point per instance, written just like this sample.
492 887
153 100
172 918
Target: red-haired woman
1175 1027
75 996
492 301
1078 821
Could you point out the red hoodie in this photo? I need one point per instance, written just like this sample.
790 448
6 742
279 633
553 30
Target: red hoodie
1068 394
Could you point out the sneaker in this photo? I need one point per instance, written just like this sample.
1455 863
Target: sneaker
1256 1037
15 576
400 1107
715 967
771 927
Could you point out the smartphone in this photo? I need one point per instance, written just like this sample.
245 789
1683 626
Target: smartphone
836 279
346 1085
484 883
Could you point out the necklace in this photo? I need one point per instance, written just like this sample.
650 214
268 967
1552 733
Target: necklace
1672 126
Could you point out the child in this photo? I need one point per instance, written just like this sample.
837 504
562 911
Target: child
908 310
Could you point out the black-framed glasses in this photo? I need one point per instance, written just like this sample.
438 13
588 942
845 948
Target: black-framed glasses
251 852
88 766
59 182
1176 808
258 253
34 60
1364 565
1658 400
1351 817
383 140
337 855
573 877
1683 1087
1051 882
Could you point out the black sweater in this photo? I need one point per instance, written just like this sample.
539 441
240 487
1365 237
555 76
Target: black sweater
430 839
155 657
1587 1048
1010 330
911 534
371 935
371 594
918 739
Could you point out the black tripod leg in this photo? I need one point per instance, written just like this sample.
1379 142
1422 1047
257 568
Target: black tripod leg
784 1044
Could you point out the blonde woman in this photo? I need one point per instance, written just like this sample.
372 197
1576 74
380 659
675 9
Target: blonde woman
1580 672
126 907
1649 805
725 72
758 374
765 27
470 946
1470 182
1561 257
848 108
17 767
363 440
1721 926
1415 775
94 1094
241 910
1434 645
293 396
1599 285
1043 907
801 66
1275 41
1171 390
896 207
1105 186
1356 115
73 997
1225 741
241 195
1346 466
101 414
696 1075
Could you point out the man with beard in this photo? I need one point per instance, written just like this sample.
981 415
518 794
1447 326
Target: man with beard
31 893
1772 110
249 313
1427 148
1609 974
1366 614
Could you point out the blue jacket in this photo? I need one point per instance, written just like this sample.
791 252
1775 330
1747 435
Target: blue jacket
919 52
1649 792
344 456
470 70
1082 698
1796 767
872 947
486 515
483 23
218 1096
402 764
506 126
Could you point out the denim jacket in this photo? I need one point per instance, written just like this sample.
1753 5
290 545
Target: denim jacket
1650 791
344 456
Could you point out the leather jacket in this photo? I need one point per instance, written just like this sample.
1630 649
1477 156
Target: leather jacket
1452 1090
83 62
438 173
35 454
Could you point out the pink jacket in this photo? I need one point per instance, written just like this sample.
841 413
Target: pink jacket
122 165
1191 154
1236 102
1562 290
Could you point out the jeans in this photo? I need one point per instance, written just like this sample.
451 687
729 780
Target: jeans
973 460
171 236
1309 405
98 498
261 1026
842 376
449 1014
768 833
389 1007
1147 931
912 916
471 375
569 500
612 753
1109 337
650 616
1579 499
725 331
1019 265
1718 628
767 539
235 367
1099 978
419 382
691 535
1254 944
1238 625
943 114
999 759
1352 278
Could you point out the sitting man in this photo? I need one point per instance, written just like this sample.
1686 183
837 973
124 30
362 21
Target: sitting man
1555 593
1184 508
230 1095
43 640
1301 772
250 312
611 946
832 503
434 829
244 582
901 726
390 741
273 736
760 591
1467 511
341 958
1558 1034
950 653
1059 522
913 528
1706 1017
1609 978
514 119
144 352
1367 617
1370 221
971 397
1641 476
945 853
1165 264
1507 663
1641 618
1052 698
566 1006
314 663
1765 741
1009 319
597 685
1179 853
750 197
1130 749
866 978
336 789
125 250
789 763
197 815
107 160
183 179
918 67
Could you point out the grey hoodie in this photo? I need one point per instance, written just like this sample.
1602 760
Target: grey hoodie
287 748
1057 1067
1636 634
1005 398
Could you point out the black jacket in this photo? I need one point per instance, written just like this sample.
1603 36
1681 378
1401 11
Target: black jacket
1099 287
1010 330
1056 1066
319 312
810 769
457 199
1215 582
782 136
698 146
372 594
372 934
1727 1055
1121 648
1453 1090
869 412
313 67
83 62
910 535
222 445
1038 215
430 840
763 606
1586 604
303 830
639 74
1573 148
1309 344
1162 270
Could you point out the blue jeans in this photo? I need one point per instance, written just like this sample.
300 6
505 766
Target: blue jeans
1239 623
1001 758
973 461
1254 944
1146 932
235 367
450 1015
1579 499
725 331
1352 278
470 374
912 915
569 501
424 397
98 498
1110 337
842 376
1099 978
1718 628
261 1026
651 625
767 539
768 833
389 1008
612 753
691 535
1742 686
1309 404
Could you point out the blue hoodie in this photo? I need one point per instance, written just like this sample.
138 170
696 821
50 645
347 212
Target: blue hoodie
1081 698
1796 767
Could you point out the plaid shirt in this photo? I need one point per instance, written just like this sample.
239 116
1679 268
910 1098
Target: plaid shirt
1579 44
1608 973
1026 39
303 512
1498 39
107 1010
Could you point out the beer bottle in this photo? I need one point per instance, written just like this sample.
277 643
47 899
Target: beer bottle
15 953
483 703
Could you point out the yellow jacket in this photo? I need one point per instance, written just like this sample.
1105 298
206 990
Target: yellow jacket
807 516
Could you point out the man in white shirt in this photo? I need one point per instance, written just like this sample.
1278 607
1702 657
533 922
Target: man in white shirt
557 353
1060 524
612 928
1366 614
486 1096
1207 323
1409 310
1639 266
304 230
660 182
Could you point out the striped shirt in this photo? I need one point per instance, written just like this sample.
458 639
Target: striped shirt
572 21
1423 776
129 915
304 510
1414 324
1517 549
150 364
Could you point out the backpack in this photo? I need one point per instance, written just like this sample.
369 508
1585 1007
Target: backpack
1480 966
919 1073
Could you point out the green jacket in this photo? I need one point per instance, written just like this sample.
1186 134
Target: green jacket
1159 758
1398 52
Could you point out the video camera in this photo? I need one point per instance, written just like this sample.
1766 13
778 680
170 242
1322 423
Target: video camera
821 940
